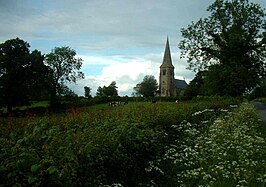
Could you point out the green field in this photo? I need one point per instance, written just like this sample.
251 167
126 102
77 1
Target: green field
207 142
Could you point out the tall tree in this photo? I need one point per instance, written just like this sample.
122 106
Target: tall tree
64 66
38 75
147 87
230 43
65 91
111 90
99 91
87 92
195 86
108 91
21 72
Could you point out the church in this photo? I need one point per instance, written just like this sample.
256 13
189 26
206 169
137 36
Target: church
168 85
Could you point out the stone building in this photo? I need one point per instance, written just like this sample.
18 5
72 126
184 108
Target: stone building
168 85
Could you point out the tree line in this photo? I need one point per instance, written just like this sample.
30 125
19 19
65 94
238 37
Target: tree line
226 50
30 75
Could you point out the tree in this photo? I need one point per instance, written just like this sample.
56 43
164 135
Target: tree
64 68
65 91
260 90
99 91
22 73
37 76
195 86
230 44
87 91
109 91
147 87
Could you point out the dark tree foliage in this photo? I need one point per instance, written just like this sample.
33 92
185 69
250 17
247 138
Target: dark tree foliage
99 91
195 86
230 43
233 80
22 73
260 90
39 77
87 92
65 91
109 91
147 87
64 67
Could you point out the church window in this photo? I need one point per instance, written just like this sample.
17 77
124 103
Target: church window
164 72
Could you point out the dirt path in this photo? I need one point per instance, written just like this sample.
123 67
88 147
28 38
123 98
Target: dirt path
261 109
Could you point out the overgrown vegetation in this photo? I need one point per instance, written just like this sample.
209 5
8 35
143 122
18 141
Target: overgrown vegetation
140 144
230 152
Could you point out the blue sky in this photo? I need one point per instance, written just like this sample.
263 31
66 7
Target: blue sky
119 40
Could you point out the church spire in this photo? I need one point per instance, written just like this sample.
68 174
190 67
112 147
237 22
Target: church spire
167 60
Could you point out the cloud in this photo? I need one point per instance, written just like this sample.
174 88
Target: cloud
127 72
97 24
119 40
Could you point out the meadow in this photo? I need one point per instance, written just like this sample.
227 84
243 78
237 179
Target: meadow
203 142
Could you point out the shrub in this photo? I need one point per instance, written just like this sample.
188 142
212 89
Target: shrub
105 145
231 152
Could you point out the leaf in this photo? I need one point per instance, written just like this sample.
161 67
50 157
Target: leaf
20 141
32 179
51 170
35 168
37 129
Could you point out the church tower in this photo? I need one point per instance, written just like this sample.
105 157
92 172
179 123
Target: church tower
167 79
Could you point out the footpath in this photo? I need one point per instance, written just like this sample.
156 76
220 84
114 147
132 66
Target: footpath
261 109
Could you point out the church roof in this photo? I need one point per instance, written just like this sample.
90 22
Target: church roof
167 60
180 84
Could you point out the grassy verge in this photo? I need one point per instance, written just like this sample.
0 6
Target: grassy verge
263 100
34 104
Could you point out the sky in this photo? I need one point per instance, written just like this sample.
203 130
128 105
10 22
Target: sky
118 40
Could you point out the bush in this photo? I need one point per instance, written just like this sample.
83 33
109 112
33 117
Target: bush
102 145
230 152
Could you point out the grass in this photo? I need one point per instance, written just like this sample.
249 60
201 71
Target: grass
139 144
263 100
34 104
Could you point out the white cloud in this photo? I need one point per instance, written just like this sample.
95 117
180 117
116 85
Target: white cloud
126 75
127 72
119 40
130 69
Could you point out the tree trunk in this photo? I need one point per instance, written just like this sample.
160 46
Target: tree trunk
53 97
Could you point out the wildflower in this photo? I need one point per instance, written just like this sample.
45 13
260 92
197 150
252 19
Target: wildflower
224 110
